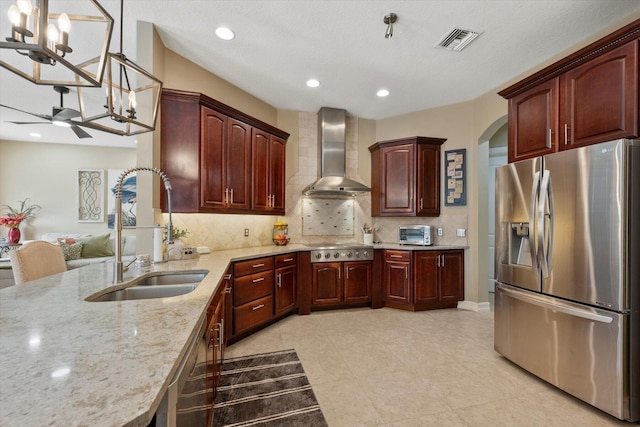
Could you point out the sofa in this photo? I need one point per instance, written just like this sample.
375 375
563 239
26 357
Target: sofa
95 249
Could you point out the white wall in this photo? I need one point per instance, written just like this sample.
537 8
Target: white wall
47 174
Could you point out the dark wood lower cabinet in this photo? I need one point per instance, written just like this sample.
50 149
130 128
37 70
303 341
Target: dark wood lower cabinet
252 314
326 284
423 280
286 283
397 278
215 338
263 289
357 282
341 283
438 279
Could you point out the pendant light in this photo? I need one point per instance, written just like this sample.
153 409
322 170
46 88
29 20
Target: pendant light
47 43
128 101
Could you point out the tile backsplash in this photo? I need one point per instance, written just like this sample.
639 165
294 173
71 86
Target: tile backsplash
311 219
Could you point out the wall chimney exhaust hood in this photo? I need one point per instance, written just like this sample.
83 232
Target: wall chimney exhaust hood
332 180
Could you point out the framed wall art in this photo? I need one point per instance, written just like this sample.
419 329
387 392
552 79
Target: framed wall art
455 178
90 198
128 198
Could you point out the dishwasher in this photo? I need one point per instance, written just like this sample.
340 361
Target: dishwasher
188 401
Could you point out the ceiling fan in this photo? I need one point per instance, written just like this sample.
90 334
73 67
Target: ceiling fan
60 116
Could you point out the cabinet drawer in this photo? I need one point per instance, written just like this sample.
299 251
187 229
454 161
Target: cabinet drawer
252 266
391 255
252 314
248 288
286 259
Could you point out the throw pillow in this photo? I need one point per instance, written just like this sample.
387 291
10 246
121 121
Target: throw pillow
73 251
96 246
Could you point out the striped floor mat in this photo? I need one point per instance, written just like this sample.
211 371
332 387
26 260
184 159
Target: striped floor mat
268 389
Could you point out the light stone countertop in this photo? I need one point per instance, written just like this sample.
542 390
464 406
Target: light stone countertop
66 362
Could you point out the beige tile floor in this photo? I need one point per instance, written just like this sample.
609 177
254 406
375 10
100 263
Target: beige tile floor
434 368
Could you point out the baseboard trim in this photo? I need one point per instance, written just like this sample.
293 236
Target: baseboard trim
481 307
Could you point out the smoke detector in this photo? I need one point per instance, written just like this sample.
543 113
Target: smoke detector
457 39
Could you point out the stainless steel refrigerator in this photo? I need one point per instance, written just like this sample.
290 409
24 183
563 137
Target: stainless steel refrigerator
567 296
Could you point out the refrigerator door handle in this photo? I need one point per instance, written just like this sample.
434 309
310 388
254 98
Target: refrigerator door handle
555 306
535 188
546 193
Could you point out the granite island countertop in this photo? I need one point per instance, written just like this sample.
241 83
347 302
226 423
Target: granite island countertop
69 362
65 361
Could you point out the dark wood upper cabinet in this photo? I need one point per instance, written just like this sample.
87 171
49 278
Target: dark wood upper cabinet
268 190
215 155
533 121
590 96
405 177
226 162
600 98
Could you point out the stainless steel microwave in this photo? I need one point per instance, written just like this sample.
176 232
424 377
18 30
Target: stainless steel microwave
415 235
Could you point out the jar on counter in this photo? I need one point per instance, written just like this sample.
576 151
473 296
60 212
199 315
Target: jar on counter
280 233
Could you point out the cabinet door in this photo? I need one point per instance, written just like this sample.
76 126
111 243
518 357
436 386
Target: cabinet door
451 276
277 178
533 121
285 289
238 165
260 170
600 98
357 281
397 283
213 168
397 185
425 269
428 181
268 179
326 284
180 153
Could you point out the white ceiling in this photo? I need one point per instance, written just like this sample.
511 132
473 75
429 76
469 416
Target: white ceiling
280 44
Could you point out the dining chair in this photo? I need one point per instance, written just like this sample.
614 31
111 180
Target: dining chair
36 259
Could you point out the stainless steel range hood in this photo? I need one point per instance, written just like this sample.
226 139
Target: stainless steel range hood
332 180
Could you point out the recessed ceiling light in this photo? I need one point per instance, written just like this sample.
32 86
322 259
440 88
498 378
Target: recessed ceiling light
35 135
382 93
224 33
313 83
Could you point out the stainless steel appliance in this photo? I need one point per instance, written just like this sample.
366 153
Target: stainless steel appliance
330 252
188 401
415 235
332 171
568 272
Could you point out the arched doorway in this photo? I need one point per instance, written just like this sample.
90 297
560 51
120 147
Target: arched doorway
489 157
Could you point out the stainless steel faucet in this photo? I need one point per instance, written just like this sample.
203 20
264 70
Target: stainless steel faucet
118 269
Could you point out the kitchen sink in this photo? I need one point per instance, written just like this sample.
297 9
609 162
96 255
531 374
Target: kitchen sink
146 292
171 279
155 286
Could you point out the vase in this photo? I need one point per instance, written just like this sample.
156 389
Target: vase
13 235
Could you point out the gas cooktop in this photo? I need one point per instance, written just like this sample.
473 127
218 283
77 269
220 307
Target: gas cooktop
330 252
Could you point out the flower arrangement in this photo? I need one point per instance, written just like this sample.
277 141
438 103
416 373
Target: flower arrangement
15 216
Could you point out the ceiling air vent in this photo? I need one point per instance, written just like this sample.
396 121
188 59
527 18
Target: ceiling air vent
457 39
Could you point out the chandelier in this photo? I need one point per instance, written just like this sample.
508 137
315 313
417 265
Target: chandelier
128 101
47 43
